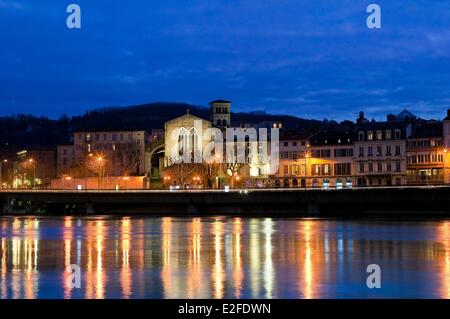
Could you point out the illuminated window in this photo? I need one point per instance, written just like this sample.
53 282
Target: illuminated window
379 135
388 134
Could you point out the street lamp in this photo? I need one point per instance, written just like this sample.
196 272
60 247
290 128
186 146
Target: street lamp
166 180
126 179
1 172
100 174
68 179
237 178
307 154
33 162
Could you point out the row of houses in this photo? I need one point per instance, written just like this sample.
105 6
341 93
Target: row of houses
403 150
396 152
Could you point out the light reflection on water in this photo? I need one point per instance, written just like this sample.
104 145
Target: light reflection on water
222 257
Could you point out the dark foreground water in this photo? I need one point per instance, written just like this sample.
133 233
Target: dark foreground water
222 257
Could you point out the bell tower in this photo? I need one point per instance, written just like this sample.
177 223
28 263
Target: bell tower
220 113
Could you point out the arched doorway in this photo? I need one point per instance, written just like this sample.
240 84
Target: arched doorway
295 183
286 183
154 165
315 183
303 183
277 183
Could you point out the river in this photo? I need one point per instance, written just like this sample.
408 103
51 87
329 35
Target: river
222 257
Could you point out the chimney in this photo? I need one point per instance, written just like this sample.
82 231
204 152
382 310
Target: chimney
391 117
361 115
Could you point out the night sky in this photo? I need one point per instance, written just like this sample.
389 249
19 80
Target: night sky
310 58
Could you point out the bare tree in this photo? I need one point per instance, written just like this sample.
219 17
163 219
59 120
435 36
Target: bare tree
92 166
184 172
233 169
129 159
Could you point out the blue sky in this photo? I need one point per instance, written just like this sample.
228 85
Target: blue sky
313 59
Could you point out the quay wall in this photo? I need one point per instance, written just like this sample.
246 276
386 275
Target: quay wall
422 201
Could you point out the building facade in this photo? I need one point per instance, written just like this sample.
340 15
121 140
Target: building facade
331 160
380 153
294 152
189 134
65 160
34 168
425 155
403 150
446 140
115 153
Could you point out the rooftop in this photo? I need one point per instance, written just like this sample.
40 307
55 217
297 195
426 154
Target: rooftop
332 138
219 101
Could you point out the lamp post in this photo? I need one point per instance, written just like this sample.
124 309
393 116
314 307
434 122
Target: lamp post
86 170
166 180
237 178
196 181
68 179
1 172
100 174
33 163
307 154
126 179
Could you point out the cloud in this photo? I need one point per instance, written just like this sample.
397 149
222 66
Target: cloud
15 5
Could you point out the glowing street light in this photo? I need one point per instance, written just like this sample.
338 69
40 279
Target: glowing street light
68 179
1 172
31 161
307 155
126 179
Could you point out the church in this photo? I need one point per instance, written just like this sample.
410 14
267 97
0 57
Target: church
190 135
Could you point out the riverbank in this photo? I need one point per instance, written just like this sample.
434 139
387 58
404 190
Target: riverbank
271 202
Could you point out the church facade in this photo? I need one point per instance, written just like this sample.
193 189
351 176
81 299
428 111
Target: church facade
188 138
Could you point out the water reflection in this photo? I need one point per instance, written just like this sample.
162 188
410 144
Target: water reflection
218 273
237 266
221 257
444 238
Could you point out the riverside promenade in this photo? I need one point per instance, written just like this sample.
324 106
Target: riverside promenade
420 201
